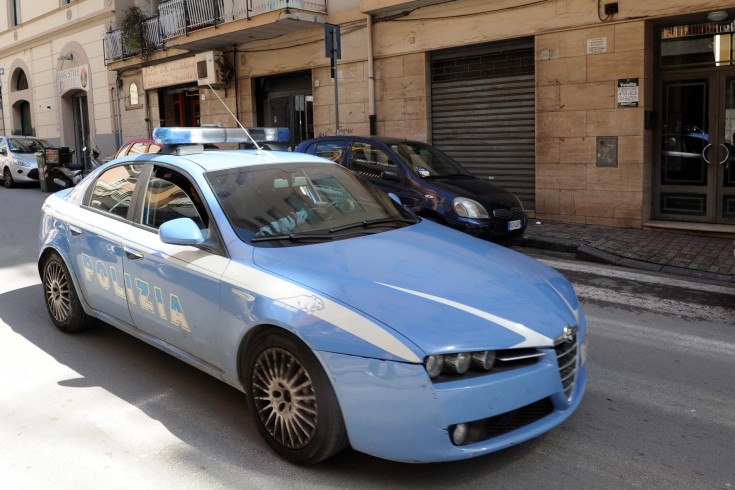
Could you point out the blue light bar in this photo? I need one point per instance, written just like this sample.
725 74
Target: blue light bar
201 136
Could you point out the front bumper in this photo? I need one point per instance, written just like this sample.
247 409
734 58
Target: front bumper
392 410
24 174
488 228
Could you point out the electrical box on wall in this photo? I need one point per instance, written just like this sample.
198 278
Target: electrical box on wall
210 69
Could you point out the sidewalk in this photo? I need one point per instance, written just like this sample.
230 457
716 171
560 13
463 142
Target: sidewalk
672 253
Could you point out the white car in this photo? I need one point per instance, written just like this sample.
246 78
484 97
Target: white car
18 158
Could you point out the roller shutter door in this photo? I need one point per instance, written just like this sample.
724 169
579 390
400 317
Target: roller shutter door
483 112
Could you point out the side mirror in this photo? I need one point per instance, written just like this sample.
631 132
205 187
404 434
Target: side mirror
390 176
3 151
180 231
395 198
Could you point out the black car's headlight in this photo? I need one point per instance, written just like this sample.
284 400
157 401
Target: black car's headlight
468 208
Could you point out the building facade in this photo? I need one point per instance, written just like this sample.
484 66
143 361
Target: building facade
55 84
592 111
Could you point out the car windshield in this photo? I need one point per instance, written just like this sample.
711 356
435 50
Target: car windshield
292 204
27 145
428 162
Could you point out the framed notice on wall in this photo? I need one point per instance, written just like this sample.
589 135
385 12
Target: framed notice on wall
628 89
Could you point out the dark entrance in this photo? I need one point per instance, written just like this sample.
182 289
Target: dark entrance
179 106
694 176
286 101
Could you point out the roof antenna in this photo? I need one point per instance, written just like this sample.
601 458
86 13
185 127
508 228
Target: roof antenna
259 149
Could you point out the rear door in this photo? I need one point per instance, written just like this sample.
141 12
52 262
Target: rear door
95 241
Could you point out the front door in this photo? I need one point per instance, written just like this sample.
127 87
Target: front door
695 180
694 173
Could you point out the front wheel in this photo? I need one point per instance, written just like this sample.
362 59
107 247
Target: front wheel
8 178
292 401
61 298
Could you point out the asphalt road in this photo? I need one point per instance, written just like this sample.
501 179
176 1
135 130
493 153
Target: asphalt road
103 410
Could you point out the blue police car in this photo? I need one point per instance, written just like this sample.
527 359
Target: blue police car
343 317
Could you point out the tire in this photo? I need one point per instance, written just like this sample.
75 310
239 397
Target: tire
292 401
8 181
61 297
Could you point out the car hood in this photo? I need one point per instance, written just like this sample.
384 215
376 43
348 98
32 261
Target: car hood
442 289
482 191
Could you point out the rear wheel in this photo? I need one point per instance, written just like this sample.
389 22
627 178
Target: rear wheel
8 178
292 401
61 298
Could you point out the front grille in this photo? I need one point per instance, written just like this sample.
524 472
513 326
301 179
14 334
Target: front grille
508 214
484 429
566 348
33 174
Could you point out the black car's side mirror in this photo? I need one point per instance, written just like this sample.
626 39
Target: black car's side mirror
390 176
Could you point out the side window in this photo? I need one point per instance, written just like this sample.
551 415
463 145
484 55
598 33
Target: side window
170 195
113 190
138 148
123 151
369 161
331 150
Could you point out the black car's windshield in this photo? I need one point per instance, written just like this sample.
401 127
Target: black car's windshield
293 204
27 145
428 162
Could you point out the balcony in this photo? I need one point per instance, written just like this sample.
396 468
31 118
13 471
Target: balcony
201 25
382 7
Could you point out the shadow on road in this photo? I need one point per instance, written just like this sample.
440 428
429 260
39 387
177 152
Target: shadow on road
206 414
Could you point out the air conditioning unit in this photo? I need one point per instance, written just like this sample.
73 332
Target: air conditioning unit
210 69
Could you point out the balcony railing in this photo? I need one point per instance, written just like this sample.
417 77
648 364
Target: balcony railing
180 17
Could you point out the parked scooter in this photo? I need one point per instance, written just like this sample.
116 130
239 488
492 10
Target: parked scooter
65 176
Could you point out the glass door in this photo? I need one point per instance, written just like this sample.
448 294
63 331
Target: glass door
726 157
694 179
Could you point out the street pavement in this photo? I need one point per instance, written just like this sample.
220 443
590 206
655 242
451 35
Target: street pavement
703 257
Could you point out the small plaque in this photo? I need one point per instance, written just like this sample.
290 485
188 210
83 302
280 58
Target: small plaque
597 45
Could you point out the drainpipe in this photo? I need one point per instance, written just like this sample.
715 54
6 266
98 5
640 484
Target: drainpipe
371 77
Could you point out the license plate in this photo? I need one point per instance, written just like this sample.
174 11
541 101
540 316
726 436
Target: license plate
514 225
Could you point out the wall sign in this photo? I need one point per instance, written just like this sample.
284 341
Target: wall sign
628 92
597 45
171 73
72 78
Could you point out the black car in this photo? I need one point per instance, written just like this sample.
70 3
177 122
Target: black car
428 182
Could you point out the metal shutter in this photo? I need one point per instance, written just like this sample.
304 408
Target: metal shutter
483 112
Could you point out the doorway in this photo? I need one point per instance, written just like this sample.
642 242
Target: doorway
180 106
286 101
694 176
81 128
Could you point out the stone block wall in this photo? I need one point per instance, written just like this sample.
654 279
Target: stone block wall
575 103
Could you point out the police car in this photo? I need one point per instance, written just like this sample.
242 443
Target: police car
344 318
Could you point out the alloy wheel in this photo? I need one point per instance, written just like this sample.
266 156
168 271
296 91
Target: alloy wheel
58 296
284 398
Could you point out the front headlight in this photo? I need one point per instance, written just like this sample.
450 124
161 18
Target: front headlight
23 163
459 363
468 208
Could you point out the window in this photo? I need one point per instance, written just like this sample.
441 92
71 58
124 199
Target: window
369 161
14 13
170 196
133 91
21 82
331 150
113 190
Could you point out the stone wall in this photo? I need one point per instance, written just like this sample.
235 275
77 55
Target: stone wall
576 103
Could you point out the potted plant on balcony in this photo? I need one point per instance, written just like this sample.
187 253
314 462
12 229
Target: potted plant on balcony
132 26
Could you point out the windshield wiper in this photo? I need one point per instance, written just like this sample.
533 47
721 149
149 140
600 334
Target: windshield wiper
370 222
294 237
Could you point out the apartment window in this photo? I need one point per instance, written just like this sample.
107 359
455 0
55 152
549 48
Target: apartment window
14 12
22 81
134 100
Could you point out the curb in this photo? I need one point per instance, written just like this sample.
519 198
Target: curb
587 253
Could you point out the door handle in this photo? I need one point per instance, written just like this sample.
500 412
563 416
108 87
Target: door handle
704 151
132 254
74 230
727 154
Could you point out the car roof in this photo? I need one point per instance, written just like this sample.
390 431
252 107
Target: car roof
388 140
213 160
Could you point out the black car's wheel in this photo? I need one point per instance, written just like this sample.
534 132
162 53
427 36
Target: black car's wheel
61 298
8 178
292 401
